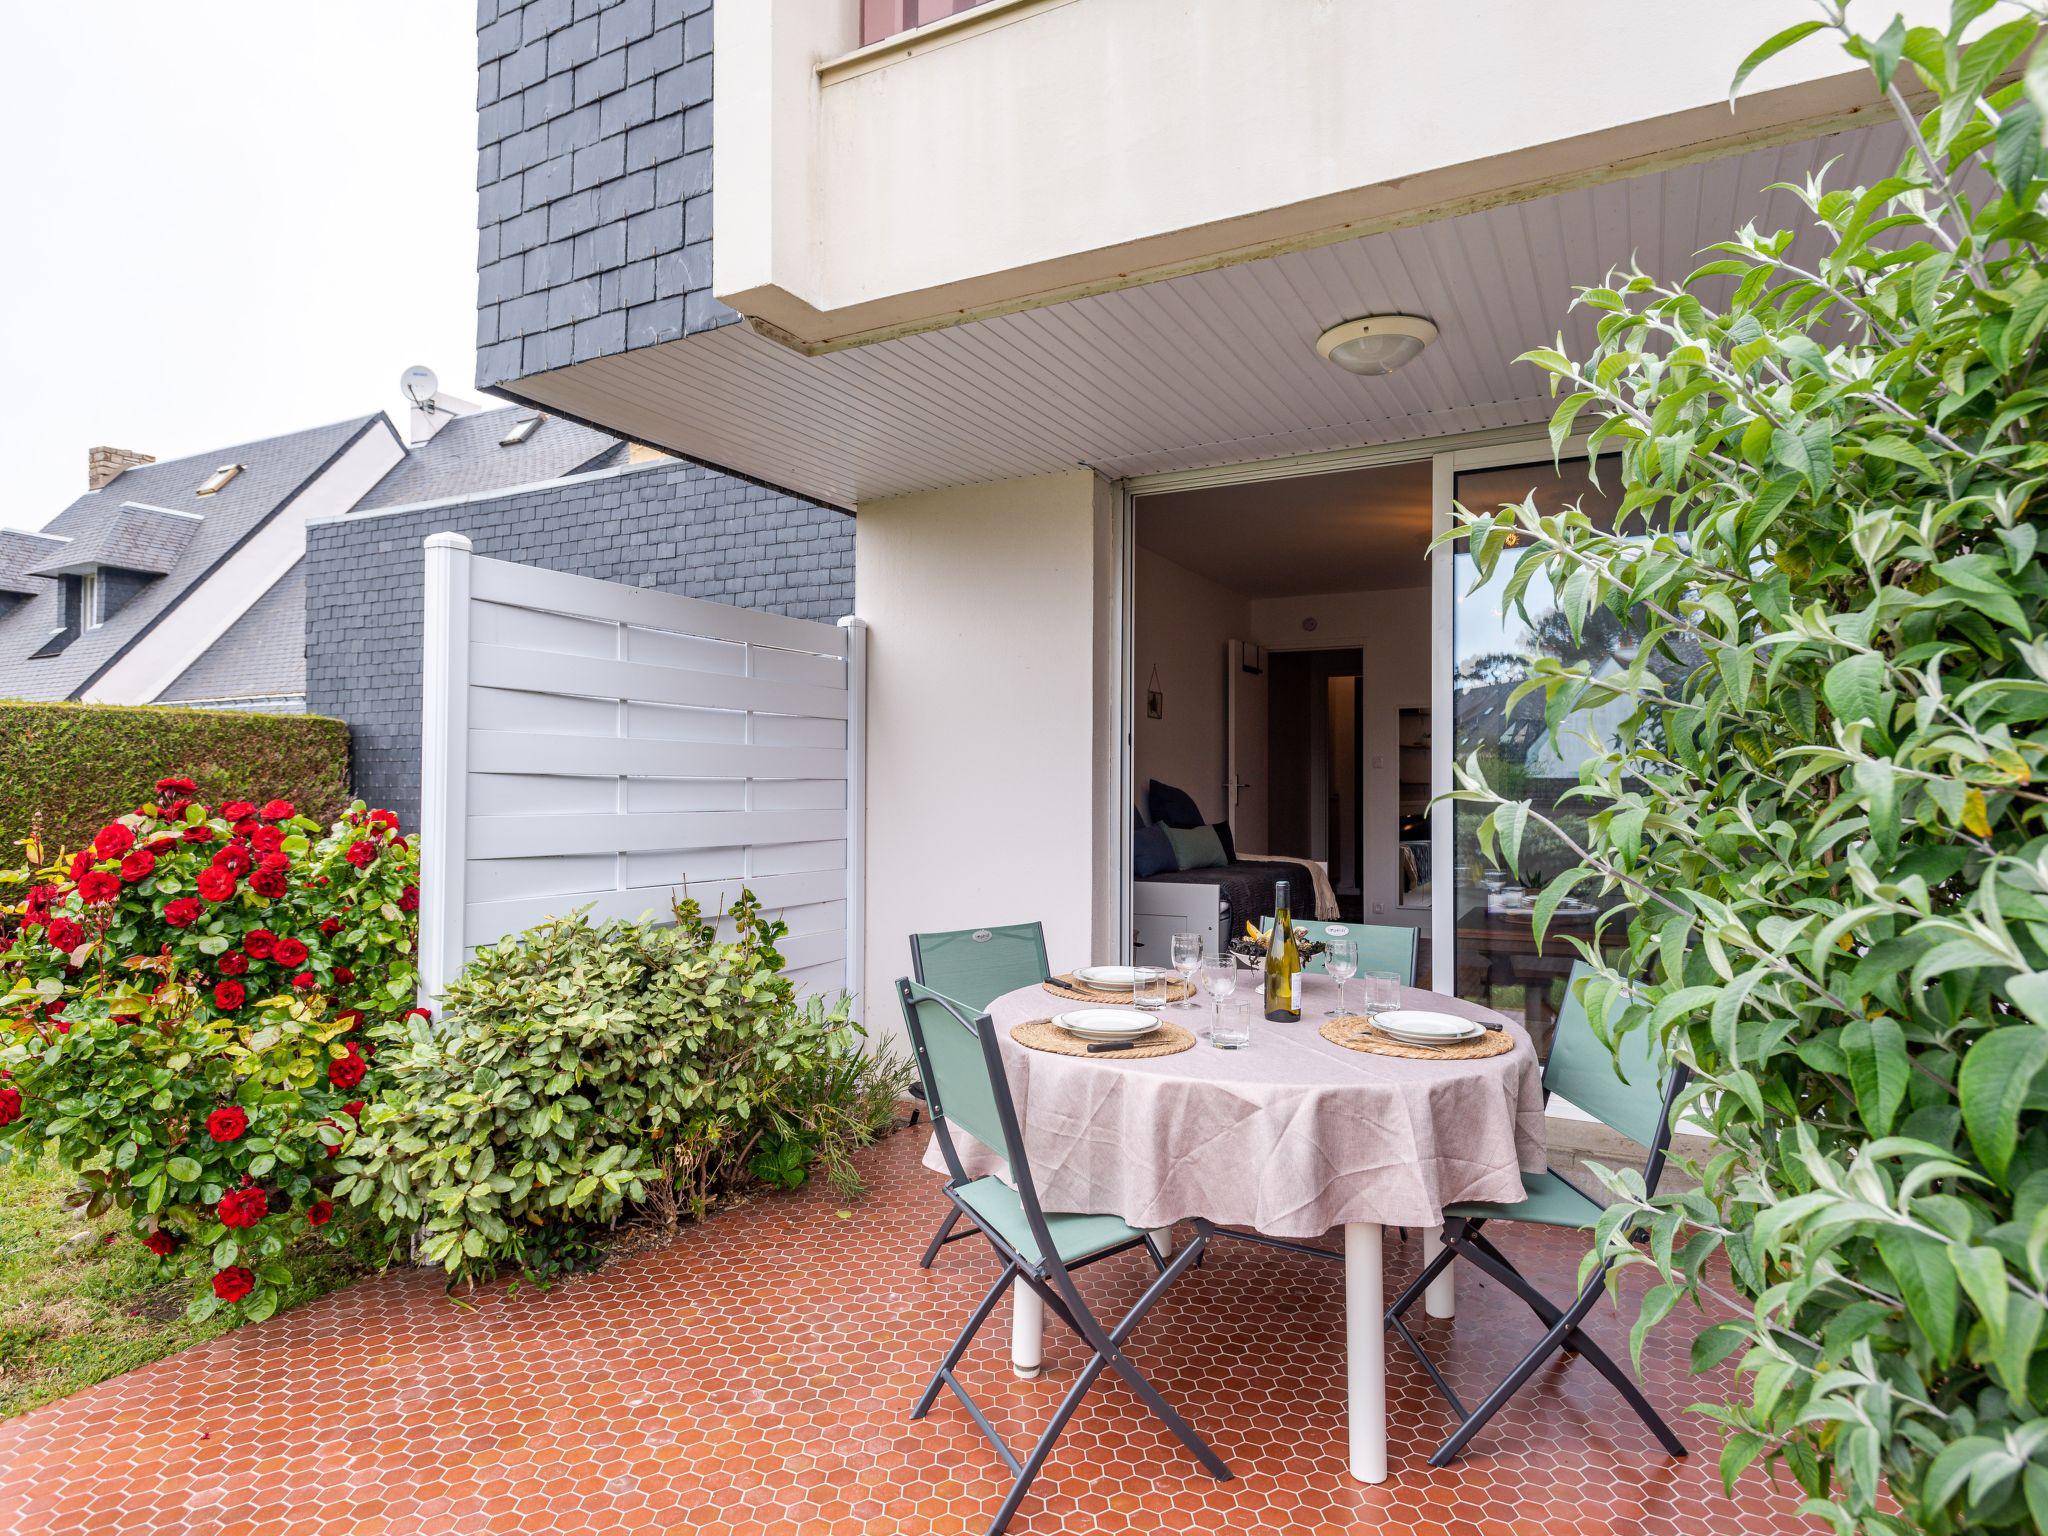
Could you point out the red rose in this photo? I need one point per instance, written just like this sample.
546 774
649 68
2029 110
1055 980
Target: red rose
216 884
228 995
138 866
345 1071
279 810
99 886
343 975
385 819
10 1105
350 1017
81 861
233 1283
235 858
260 943
233 963
305 981
267 839
65 934
269 882
202 833
113 841
176 786
289 953
361 854
182 912
245 826
319 1213
227 1123
329 927
242 1207
236 810
160 1243
419 1013
176 808
353 1109
409 899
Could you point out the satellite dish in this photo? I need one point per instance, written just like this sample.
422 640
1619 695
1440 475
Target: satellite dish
419 386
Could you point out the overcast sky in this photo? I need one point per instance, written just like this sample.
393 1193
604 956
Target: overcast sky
225 220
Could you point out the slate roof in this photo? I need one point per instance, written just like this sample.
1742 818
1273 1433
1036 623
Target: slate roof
464 458
273 470
262 656
20 549
132 538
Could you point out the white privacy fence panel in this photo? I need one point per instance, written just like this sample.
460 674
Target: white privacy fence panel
593 744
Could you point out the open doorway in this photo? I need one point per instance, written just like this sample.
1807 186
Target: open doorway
1281 677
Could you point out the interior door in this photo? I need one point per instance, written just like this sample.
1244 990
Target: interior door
1244 735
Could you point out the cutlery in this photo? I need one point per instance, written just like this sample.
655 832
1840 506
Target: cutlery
1110 1045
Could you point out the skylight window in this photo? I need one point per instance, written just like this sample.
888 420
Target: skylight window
522 429
219 478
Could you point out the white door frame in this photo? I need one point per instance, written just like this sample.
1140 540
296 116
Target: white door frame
1490 449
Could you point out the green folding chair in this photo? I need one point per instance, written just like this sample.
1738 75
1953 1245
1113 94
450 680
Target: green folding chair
974 967
1381 946
964 1082
1625 1096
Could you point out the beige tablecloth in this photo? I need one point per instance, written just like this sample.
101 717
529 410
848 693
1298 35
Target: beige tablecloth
1292 1136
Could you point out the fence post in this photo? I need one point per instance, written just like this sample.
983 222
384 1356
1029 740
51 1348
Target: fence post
444 761
856 810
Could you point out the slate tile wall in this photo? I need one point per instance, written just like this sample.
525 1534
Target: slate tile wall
593 180
676 527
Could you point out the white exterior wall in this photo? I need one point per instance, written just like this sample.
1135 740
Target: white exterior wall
991 769
1033 149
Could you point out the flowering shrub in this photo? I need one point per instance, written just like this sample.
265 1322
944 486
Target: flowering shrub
183 1009
582 1069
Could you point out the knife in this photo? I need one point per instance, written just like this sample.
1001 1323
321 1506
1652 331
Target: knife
1110 1045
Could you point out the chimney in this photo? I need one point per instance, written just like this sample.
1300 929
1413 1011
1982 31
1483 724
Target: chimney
103 463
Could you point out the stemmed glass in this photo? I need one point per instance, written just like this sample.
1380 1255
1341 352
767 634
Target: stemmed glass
1220 982
1340 959
1187 959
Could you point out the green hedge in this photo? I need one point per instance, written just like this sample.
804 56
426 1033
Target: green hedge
79 765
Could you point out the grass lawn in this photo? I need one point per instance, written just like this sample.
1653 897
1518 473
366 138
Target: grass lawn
83 1300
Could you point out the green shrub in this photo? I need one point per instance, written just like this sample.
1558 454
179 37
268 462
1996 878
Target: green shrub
580 1070
1824 820
68 767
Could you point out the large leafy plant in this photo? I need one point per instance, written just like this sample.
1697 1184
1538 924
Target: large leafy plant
581 1070
184 1006
1823 825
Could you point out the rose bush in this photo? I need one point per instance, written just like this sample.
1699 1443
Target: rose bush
183 1010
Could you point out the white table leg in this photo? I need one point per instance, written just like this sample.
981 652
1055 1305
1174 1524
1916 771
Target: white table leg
1027 1330
1162 1237
1440 1298
1365 1348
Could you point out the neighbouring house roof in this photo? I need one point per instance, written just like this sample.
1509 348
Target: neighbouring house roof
262 656
467 458
126 527
20 550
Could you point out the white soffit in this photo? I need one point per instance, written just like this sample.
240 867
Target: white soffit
1213 368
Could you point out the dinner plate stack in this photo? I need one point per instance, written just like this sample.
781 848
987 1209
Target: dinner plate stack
1106 1023
1109 978
1420 1026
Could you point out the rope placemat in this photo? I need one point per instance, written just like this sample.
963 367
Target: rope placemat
1079 992
1355 1032
1044 1035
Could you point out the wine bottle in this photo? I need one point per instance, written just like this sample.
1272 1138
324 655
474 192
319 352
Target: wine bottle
1283 963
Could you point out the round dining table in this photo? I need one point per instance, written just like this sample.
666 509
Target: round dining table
1291 1136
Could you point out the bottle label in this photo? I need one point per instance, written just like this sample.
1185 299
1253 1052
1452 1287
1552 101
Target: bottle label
1294 991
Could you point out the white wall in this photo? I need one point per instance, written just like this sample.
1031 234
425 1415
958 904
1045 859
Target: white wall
1041 148
1393 629
991 764
1181 625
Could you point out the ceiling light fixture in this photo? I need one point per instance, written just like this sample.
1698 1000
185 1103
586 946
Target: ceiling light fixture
1375 344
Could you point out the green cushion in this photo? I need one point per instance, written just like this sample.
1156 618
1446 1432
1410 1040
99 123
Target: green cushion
1076 1237
1196 847
1547 1201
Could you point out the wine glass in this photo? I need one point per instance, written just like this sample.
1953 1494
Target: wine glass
1220 982
1187 959
1340 960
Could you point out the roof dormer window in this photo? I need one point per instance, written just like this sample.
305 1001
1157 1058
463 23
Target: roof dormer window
218 479
92 601
522 429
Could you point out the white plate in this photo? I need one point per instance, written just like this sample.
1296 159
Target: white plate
1111 978
1106 1023
1423 1027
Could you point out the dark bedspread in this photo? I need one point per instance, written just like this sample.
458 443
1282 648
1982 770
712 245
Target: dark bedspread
1249 889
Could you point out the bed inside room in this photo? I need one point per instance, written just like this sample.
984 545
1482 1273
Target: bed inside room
1281 689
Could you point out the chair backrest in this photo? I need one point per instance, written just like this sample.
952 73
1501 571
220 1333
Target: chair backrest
975 966
1381 946
1629 1092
